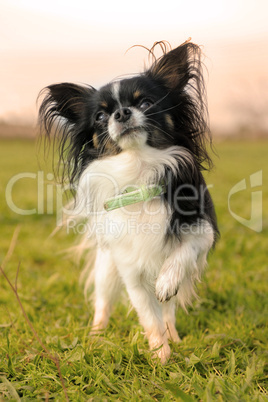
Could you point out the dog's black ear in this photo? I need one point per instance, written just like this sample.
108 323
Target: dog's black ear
180 70
63 100
63 114
178 66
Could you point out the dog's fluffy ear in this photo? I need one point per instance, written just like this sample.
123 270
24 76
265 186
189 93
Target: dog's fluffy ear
63 115
64 100
178 66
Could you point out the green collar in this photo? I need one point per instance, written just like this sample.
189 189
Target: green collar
132 195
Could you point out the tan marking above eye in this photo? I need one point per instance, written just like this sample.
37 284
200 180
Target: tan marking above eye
169 120
136 94
104 104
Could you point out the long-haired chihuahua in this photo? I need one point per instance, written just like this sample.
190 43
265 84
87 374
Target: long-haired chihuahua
134 151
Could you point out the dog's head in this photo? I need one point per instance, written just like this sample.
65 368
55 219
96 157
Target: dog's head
162 107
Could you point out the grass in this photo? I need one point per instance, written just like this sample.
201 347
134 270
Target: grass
223 353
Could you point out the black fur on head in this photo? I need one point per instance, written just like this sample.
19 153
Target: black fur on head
168 100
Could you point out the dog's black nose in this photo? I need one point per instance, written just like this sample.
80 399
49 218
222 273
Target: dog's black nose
122 115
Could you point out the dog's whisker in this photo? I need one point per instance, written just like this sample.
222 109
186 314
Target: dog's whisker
164 110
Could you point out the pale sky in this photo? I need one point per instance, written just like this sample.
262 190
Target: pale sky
84 41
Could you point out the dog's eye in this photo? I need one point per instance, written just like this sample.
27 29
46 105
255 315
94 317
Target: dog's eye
101 117
145 104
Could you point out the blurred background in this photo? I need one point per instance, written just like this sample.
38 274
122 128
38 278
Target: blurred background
86 42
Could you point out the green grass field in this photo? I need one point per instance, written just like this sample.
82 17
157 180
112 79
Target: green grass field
223 353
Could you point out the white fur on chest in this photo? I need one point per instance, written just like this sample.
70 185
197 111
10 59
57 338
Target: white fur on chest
108 177
139 230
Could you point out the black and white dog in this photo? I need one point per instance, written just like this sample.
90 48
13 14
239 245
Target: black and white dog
135 150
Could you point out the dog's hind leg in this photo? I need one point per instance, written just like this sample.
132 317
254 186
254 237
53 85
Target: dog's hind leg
107 288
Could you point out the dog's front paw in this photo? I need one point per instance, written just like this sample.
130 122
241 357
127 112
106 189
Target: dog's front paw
169 280
160 347
163 353
164 290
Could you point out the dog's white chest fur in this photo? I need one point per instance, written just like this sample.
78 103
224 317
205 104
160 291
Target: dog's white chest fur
136 233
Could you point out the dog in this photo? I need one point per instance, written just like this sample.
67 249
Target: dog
135 150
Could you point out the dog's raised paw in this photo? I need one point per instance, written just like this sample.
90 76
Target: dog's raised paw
164 291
